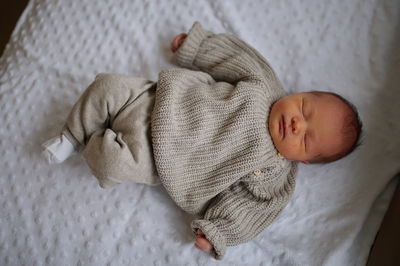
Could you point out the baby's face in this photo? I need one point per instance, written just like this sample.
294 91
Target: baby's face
304 126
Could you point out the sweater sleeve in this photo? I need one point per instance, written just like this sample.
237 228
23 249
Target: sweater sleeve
223 56
241 212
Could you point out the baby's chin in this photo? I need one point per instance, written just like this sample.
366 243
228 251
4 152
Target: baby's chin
294 159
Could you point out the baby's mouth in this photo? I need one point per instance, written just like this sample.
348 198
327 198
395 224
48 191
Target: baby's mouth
282 128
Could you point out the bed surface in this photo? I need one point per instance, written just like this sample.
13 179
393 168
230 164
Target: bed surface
58 215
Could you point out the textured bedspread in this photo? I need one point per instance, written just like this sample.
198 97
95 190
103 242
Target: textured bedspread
58 215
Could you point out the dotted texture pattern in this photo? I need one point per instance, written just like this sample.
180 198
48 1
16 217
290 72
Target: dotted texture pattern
58 215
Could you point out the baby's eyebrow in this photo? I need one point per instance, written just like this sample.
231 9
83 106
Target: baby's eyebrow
318 156
316 93
307 110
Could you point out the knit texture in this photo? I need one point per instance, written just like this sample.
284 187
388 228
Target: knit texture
211 144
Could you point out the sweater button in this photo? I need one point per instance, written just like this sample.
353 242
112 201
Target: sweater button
257 172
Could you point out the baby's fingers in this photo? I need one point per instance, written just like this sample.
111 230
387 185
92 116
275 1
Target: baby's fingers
177 42
199 233
203 244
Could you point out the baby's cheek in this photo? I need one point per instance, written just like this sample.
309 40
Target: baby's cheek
290 150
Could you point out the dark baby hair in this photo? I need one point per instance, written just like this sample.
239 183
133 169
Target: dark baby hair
352 130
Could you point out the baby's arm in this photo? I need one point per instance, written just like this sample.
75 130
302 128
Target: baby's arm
245 209
223 56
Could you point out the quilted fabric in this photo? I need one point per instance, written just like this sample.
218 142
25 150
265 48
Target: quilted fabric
58 215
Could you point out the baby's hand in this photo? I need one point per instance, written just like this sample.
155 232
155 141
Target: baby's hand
177 42
201 242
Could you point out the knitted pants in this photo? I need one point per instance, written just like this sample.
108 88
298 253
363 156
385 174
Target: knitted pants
111 123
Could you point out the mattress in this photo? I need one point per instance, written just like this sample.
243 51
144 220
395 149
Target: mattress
58 214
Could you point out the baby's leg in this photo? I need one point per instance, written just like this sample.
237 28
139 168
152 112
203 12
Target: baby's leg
112 162
94 110
90 127
99 105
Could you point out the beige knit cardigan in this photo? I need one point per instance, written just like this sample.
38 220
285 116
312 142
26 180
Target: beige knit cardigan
212 148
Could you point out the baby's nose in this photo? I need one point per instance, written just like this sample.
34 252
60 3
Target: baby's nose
296 125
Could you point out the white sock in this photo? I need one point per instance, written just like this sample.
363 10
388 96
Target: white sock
58 149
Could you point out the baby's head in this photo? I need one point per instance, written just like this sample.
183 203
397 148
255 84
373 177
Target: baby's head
314 127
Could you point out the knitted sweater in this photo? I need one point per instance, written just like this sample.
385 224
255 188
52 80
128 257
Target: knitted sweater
211 144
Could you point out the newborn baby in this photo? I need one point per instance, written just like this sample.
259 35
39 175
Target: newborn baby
220 134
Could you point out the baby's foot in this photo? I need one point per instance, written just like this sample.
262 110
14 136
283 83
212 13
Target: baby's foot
107 183
58 149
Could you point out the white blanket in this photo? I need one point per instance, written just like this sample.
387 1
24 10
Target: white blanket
58 215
